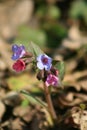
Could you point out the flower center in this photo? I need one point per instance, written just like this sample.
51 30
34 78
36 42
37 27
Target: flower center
45 60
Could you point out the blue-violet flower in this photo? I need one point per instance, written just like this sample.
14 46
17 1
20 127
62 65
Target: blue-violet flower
44 62
18 51
51 80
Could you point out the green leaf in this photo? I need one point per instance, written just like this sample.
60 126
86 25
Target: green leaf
78 10
20 81
33 99
27 34
53 12
60 66
25 103
35 49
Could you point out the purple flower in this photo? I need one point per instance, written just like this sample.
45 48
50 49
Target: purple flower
18 51
44 62
51 80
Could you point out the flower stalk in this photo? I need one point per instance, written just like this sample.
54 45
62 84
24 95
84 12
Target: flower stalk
50 104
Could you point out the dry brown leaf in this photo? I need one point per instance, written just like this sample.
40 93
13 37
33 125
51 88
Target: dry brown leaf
24 112
74 32
75 76
71 65
17 124
2 110
6 55
69 99
83 84
12 98
80 118
73 45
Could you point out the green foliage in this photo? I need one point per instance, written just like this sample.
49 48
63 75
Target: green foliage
22 81
55 34
52 12
41 11
33 99
79 10
19 82
25 103
52 35
35 49
48 16
58 30
26 34
60 65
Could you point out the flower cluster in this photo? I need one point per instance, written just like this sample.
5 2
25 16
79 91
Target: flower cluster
19 55
46 72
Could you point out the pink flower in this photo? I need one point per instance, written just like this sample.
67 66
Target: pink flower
51 80
19 65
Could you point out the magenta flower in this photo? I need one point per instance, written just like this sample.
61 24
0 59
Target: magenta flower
44 62
51 80
19 65
18 51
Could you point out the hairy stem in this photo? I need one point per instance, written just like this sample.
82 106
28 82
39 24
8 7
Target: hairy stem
49 102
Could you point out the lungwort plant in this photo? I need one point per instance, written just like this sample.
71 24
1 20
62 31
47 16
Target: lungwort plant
48 70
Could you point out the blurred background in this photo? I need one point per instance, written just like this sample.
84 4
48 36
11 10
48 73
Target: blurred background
59 28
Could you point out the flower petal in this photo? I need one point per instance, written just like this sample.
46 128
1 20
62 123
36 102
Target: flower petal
51 80
22 53
14 48
19 65
47 67
14 56
39 58
40 65
47 84
18 51
44 61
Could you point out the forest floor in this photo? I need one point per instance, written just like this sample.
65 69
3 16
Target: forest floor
70 101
